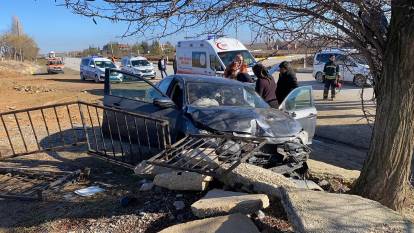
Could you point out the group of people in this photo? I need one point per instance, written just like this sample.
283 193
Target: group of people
266 87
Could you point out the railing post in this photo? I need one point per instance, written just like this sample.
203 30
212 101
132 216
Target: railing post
107 85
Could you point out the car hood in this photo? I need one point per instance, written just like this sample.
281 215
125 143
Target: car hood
140 68
260 122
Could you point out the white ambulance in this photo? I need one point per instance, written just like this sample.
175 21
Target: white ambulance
210 57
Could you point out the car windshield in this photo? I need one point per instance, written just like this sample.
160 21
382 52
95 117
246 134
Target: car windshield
228 57
217 94
140 63
104 64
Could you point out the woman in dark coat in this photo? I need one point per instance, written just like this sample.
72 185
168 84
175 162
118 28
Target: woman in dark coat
265 85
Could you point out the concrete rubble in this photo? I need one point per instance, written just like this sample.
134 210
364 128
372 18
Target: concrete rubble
218 202
321 171
234 223
184 181
254 179
322 212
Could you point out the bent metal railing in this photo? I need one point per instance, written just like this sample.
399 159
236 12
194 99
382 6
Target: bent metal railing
123 137
209 154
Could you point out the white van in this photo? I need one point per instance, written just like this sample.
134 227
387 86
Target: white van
352 66
94 68
139 66
211 56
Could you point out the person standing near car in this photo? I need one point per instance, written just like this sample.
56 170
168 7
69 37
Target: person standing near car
331 77
265 85
287 81
162 67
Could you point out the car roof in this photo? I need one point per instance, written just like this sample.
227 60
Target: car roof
206 79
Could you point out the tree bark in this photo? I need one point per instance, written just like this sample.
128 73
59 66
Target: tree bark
385 175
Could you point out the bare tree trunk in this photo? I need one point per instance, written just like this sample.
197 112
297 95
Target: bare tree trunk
386 171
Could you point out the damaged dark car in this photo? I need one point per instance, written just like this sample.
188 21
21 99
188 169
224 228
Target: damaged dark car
212 105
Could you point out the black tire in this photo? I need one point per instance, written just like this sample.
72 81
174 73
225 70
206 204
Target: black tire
360 80
319 77
96 79
82 77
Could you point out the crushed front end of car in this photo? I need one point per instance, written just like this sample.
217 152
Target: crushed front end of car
285 150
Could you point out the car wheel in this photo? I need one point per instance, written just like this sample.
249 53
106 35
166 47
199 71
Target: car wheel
360 80
82 77
96 79
319 77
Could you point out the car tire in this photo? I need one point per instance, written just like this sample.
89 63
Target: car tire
360 80
96 79
319 77
82 77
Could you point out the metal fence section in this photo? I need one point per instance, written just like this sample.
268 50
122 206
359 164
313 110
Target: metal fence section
120 136
212 155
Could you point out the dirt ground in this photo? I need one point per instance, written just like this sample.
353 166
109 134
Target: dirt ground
19 91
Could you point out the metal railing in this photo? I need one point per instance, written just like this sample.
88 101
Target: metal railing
212 155
120 136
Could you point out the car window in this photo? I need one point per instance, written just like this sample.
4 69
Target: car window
199 59
299 98
140 63
228 57
218 94
134 88
177 94
164 84
105 64
215 63
85 62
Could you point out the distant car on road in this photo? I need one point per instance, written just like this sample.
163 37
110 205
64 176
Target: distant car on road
54 65
93 68
139 66
352 66
194 104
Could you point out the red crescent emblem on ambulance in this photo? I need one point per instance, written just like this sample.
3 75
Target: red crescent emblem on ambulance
221 46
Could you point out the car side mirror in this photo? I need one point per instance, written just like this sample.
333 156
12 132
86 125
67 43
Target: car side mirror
163 102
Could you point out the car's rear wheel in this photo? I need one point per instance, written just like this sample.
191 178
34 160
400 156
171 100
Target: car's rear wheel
96 79
360 80
319 77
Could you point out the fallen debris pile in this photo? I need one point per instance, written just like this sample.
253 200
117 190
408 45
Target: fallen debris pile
32 89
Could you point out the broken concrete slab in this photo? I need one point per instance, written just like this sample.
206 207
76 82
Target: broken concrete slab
147 170
254 179
234 223
315 211
321 170
306 184
181 180
218 202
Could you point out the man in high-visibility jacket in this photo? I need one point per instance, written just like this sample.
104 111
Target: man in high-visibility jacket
331 77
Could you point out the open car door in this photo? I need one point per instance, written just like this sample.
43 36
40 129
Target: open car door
300 105
138 95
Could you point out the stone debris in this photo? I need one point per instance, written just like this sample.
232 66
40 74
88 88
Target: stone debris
147 170
234 223
32 89
146 186
219 202
251 178
321 171
314 211
179 205
260 215
183 181
306 184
